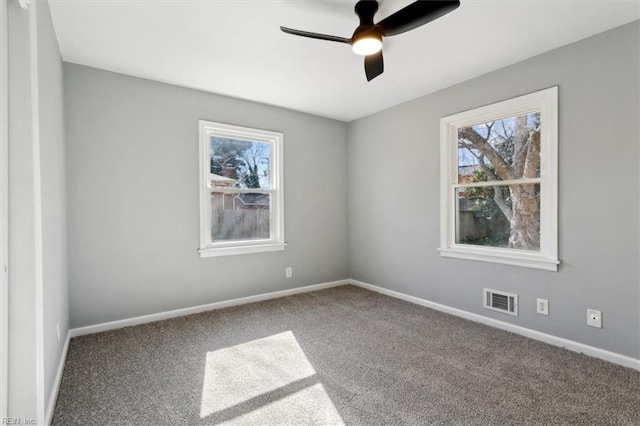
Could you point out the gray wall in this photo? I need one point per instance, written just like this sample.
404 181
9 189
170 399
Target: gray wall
133 214
37 210
394 161
22 282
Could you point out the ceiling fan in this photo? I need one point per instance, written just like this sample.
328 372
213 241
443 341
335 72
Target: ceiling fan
367 38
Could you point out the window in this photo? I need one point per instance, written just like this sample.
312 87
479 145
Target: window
500 181
241 203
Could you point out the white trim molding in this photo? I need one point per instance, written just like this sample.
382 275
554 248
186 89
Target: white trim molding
4 210
571 345
144 319
38 264
544 103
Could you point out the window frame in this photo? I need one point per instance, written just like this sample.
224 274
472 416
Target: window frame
543 101
276 242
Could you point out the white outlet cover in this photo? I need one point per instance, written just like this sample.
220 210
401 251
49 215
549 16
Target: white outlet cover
594 318
542 306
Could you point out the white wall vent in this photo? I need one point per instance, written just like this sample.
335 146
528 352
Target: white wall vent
501 301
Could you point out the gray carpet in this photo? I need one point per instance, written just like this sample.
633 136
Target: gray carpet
339 356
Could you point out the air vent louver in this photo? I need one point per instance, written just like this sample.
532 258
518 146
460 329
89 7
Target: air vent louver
501 301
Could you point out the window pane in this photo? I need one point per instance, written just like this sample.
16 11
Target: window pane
510 219
240 216
238 163
500 150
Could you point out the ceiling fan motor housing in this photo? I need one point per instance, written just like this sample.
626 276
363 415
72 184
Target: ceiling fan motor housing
366 10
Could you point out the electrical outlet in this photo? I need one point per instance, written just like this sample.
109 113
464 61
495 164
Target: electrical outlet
542 306
58 331
288 272
594 318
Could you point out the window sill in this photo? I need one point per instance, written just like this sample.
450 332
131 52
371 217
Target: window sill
247 249
506 257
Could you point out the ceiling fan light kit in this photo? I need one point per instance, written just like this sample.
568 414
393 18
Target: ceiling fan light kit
367 45
367 38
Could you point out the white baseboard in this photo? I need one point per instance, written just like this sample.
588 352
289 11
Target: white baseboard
571 345
532 334
81 331
56 382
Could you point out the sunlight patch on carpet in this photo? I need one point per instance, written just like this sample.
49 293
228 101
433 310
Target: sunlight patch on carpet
310 406
239 373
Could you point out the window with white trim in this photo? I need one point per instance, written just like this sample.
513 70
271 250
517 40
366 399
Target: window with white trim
241 199
499 182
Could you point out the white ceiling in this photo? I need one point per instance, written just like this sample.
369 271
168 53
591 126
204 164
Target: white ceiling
236 48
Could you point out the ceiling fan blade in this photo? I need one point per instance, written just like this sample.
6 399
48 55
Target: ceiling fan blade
373 65
315 35
416 14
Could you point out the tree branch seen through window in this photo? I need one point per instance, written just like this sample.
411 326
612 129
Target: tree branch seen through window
503 150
